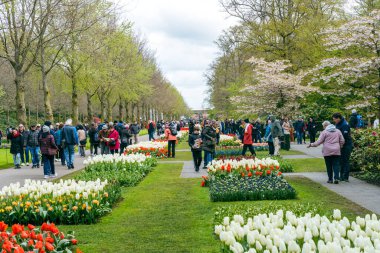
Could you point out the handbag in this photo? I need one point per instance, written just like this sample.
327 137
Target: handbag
52 150
112 143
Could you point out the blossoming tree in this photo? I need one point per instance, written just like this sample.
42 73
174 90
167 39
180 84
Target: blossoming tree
354 70
275 91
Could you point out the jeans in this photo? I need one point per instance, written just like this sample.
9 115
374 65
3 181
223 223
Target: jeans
114 151
61 154
197 157
271 148
151 136
25 152
171 148
209 156
251 149
276 143
135 137
345 162
94 148
104 149
312 137
299 137
69 155
332 165
17 159
82 150
35 152
123 145
287 142
49 168
257 138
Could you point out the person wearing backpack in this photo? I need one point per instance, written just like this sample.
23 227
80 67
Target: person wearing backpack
125 136
82 140
151 129
195 143
58 142
93 134
353 121
171 137
208 142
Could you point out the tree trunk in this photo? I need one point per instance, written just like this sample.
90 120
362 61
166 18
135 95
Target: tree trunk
109 110
20 99
90 114
102 105
126 105
121 112
47 104
138 113
133 112
74 100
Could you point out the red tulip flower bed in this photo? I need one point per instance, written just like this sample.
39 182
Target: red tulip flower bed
30 239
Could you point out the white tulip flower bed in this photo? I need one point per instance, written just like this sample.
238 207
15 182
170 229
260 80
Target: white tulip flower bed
285 232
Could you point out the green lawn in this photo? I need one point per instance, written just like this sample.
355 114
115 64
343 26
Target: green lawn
6 159
166 213
308 165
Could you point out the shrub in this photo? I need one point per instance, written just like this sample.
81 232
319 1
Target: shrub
366 153
250 188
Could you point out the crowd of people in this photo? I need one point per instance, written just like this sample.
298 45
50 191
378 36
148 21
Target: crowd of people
51 143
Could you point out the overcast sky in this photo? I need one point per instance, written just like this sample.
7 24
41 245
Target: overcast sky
182 33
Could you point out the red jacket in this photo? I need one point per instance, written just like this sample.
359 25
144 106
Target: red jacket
248 135
114 135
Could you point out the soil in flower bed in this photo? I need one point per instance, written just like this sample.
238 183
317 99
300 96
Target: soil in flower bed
251 188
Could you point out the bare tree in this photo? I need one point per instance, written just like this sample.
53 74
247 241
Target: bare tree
20 41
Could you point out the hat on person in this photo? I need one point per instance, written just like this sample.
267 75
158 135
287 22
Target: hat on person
246 120
104 127
354 111
47 123
38 125
45 129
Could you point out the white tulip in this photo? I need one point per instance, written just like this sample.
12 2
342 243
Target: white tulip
337 214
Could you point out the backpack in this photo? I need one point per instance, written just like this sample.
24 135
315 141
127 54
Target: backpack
360 121
173 130
96 137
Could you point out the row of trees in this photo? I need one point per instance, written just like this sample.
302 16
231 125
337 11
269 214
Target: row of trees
308 57
78 57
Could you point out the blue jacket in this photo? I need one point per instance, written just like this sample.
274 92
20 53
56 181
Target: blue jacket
58 137
268 134
70 135
346 131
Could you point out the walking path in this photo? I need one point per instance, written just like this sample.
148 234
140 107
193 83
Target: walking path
8 176
358 191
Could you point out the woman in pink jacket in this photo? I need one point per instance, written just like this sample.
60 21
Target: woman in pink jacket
332 140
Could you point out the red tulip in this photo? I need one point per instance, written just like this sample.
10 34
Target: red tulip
3 226
17 229
74 241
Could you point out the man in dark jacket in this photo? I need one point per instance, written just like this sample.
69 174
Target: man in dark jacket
312 129
208 143
25 150
135 129
94 139
125 136
299 126
151 129
69 139
353 122
33 145
346 150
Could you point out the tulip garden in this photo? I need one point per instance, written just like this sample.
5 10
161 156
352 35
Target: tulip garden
123 201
